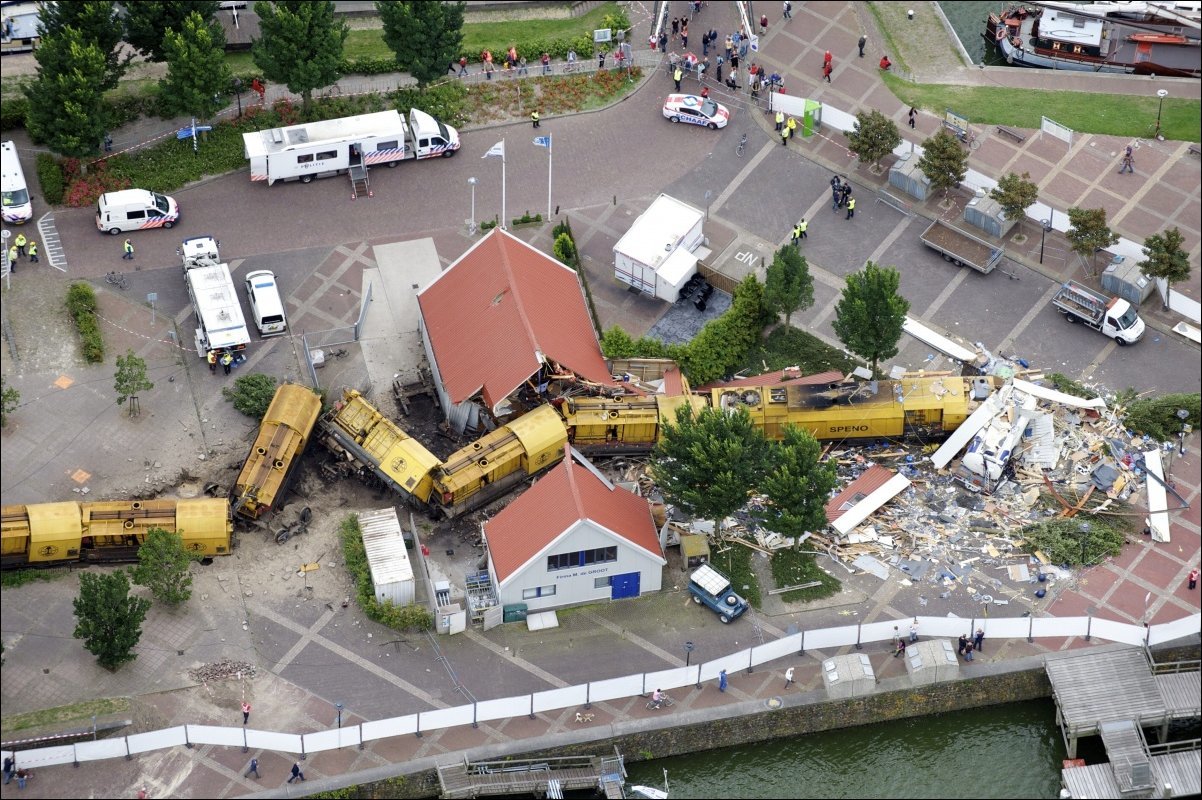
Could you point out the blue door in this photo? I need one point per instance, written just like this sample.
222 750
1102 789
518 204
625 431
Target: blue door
624 586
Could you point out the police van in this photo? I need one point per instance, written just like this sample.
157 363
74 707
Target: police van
135 210
18 207
266 307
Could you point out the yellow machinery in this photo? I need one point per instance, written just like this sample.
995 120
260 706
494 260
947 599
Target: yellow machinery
282 438
605 426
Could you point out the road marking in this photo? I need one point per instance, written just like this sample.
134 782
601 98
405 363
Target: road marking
51 243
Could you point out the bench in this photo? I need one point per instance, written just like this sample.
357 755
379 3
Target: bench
1194 150
1017 136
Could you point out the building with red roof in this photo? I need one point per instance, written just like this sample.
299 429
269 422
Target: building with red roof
505 314
572 538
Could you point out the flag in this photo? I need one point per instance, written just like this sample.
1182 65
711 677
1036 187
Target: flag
542 141
497 149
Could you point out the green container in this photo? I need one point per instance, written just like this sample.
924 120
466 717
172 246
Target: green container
514 613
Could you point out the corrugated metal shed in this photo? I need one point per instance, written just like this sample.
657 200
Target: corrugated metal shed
391 570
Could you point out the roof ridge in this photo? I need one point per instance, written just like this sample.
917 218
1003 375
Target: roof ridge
577 500
515 290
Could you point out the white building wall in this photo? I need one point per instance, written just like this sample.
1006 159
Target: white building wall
578 585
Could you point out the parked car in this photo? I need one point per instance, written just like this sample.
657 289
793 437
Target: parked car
266 306
691 109
711 588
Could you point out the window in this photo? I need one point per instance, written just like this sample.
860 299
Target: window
601 583
538 591
393 145
582 558
139 214
327 154
305 159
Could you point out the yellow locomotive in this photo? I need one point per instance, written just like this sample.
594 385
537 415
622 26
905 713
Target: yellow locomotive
44 534
282 437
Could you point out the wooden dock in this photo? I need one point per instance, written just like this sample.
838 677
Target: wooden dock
546 777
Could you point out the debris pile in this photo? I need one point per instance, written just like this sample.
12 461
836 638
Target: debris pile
222 670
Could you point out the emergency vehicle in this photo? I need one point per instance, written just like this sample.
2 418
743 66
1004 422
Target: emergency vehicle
333 146
219 321
18 207
694 110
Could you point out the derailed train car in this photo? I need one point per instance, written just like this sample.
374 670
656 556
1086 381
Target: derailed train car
46 534
273 457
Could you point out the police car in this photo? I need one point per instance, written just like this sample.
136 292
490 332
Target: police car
694 110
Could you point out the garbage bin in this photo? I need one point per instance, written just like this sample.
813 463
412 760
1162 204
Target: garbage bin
514 613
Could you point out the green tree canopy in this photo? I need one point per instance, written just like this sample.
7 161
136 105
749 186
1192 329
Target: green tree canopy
130 378
1088 233
98 23
789 286
944 162
873 137
163 567
1015 194
252 394
870 314
706 464
146 21
107 619
197 75
66 99
425 36
10 398
1165 259
300 44
796 485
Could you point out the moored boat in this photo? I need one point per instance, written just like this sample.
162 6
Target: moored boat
1136 38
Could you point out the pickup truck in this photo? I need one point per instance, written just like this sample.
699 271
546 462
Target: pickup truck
960 248
1111 316
711 588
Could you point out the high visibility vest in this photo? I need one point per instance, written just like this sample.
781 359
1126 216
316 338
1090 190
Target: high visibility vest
534 116
20 240
129 247
780 118
226 360
784 134
851 204
678 74
33 248
792 123
801 226
796 231
212 357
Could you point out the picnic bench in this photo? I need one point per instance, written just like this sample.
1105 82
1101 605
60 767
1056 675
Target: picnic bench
1017 136
1194 150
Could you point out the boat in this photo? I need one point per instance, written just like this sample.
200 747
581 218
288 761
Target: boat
650 792
1132 38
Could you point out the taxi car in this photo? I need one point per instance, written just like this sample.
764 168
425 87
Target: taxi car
691 109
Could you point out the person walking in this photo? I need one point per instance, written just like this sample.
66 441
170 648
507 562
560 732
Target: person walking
845 192
826 72
12 258
788 677
9 764
913 115
663 41
20 242
722 682
677 74
253 767
245 705
901 647
968 651
128 248
780 120
1193 578
684 36
836 195
851 206
601 60
792 126
1128 161
718 75
785 132
763 24
227 358
534 118
962 644
794 235
978 640
296 772
33 252
22 776
463 66
787 12
212 359
863 41
913 631
801 228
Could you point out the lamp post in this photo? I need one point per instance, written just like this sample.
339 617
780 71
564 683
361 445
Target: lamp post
1183 415
471 225
339 707
1045 226
1162 94
238 91
1084 536
688 652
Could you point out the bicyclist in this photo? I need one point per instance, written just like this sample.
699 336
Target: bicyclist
571 60
657 697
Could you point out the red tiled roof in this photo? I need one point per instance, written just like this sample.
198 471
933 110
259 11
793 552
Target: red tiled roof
781 376
492 312
876 477
564 496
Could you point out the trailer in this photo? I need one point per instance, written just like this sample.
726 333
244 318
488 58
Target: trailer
346 145
960 248
220 325
1110 316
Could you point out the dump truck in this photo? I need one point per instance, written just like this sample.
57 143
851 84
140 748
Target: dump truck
711 588
1112 316
960 248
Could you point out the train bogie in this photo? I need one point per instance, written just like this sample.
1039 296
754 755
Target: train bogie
278 446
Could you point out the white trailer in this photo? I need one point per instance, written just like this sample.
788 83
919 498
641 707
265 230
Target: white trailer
334 146
220 325
659 254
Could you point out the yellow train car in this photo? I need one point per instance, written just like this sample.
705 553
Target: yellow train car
491 465
920 407
618 426
43 534
374 444
282 437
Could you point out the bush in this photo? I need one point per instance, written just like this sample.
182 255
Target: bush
565 249
50 177
1065 541
526 218
252 394
81 305
12 113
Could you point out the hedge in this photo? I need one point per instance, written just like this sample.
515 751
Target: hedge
50 176
81 304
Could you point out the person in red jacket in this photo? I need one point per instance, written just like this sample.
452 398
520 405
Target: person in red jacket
885 62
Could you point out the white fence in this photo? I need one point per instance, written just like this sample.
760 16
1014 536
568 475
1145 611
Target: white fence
610 689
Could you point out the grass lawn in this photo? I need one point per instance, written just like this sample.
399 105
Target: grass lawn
65 714
735 563
789 347
20 577
790 568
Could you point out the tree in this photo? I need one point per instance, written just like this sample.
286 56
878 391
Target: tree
797 485
300 44
10 399
107 619
708 462
66 99
425 36
788 287
252 394
1015 194
163 567
944 162
98 23
1165 259
1088 233
870 314
873 137
147 21
130 380
197 75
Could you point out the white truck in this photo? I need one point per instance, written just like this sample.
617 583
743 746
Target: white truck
220 325
334 146
1112 316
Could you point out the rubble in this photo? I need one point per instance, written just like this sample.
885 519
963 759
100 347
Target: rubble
222 670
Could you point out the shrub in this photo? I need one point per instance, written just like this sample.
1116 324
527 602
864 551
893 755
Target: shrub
565 249
252 394
50 176
12 113
81 304
526 218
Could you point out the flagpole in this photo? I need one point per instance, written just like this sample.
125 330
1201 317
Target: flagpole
504 217
549 159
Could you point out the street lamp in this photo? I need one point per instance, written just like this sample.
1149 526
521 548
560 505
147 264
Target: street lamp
688 652
1183 415
471 225
1084 536
1044 230
339 707
1162 94
238 91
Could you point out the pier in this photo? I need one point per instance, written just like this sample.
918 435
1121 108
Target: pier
545 777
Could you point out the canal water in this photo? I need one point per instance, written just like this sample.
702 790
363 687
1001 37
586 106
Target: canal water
1011 750
967 18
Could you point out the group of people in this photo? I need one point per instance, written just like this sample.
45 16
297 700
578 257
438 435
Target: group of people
11 771
841 196
22 247
226 359
967 645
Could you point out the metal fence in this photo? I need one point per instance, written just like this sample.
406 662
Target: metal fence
312 341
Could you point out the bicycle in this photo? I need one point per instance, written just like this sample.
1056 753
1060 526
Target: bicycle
116 279
970 139
741 146
663 702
